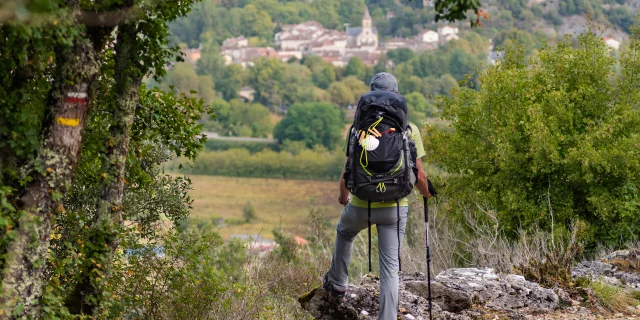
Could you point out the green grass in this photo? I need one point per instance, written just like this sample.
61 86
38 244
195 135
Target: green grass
276 201
613 298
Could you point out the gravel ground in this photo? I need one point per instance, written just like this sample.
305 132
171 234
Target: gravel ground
581 313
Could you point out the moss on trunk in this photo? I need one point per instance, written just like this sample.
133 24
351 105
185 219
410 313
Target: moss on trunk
70 101
88 294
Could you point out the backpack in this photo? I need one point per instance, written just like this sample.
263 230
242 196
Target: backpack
381 162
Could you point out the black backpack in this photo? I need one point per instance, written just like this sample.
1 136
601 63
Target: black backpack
381 162
382 156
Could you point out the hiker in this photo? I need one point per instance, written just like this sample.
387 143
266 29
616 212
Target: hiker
390 217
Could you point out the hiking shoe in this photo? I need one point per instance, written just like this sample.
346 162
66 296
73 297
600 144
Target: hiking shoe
330 289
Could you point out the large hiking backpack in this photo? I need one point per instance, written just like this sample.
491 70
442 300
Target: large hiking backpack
382 156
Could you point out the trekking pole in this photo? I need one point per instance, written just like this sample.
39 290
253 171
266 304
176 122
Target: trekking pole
434 193
426 225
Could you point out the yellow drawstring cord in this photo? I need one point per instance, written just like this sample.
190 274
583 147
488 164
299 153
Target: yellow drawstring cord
364 149
400 165
366 158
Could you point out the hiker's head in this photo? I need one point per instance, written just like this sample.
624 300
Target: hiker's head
384 81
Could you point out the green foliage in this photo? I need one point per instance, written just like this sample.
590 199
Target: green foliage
184 78
355 68
347 92
34 66
293 147
320 237
307 164
170 120
322 73
452 10
400 55
287 246
251 146
312 123
611 297
184 275
277 83
622 17
27 57
547 142
166 128
243 119
227 79
419 107
248 212
445 60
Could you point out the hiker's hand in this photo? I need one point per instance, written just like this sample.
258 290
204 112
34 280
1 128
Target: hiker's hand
344 199
424 192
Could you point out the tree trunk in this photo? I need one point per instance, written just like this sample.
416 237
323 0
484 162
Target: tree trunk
22 282
88 295
128 80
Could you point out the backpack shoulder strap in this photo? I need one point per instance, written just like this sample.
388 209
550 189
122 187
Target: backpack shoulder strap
348 138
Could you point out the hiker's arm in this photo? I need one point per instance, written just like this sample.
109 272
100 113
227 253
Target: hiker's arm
344 193
421 182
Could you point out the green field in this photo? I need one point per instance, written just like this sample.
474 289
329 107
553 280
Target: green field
276 201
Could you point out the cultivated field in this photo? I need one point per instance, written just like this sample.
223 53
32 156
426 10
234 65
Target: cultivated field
275 201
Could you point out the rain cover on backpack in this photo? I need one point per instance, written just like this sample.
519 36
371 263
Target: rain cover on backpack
382 156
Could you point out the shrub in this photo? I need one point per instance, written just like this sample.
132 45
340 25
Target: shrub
248 212
175 278
611 297
314 164
252 146
544 145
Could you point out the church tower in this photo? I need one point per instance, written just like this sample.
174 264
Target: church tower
366 21
365 36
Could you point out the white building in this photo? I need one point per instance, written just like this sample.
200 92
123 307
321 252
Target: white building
429 36
397 43
612 43
235 47
365 37
238 42
447 33
293 37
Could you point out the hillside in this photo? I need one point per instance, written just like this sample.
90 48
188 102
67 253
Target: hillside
235 50
260 20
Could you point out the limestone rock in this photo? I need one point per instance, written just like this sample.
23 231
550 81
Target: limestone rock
361 302
618 268
458 294
459 289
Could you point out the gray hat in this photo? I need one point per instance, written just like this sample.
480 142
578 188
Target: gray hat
384 81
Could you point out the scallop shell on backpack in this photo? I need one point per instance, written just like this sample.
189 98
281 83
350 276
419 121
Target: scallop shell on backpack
370 143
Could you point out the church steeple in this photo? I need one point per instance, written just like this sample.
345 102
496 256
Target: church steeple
366 20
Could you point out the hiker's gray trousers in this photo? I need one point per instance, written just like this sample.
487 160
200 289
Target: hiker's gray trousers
354 220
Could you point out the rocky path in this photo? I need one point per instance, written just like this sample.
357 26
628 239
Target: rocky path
585 315
475 294
458 294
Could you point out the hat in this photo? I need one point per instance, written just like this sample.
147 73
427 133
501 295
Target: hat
384 81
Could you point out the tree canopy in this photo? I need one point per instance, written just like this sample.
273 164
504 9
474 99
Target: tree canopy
551 142
312 123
